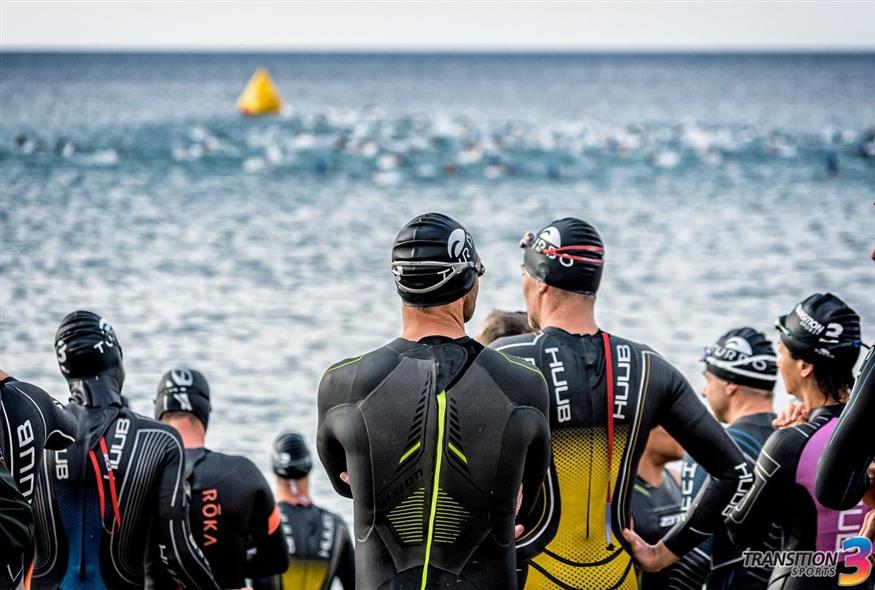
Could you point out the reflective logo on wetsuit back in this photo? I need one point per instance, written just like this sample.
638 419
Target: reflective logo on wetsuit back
211 510
624 371
327 539
560 386
27 457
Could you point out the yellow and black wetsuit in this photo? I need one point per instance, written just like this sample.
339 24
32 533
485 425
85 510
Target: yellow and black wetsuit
437 436
320 550
573 539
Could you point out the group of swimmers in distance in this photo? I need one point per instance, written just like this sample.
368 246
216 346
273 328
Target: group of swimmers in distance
533 456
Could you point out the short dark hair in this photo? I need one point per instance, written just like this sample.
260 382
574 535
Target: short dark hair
499 324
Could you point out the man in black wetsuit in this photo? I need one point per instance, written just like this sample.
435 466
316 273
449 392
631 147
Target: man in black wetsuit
232 509
656 499
820 343
607 393
432 435
117 493
740 374
320 549
30 420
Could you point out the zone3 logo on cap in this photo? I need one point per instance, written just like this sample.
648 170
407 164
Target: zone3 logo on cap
458 245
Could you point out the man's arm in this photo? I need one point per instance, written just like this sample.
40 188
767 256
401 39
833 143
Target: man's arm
842 479
271 554
750 521
328 446
687 420
179 554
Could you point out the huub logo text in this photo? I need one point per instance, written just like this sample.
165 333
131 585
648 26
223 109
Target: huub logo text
560 386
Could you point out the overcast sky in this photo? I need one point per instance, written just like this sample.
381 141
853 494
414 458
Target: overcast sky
423 26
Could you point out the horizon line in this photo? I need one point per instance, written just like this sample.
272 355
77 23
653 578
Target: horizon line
473 50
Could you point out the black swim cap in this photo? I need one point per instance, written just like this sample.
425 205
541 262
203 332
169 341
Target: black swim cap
822 328
86 345
290 458
567 254
184 390
743 356
434 261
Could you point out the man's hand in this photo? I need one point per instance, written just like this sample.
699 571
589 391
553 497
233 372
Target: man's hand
651 558
519 529
791 416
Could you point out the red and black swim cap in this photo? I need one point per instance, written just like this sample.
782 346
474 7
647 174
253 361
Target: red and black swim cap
567 254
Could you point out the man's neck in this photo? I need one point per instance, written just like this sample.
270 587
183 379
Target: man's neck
573 317
651 470
419 323
295 492
748 406
193 436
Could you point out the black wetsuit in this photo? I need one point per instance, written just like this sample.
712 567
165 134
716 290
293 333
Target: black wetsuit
571 543
232 512
437 436
656 511
320 550
718 561
842 477
80 500
783 493
30 420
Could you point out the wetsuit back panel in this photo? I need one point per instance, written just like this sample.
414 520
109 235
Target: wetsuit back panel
436 444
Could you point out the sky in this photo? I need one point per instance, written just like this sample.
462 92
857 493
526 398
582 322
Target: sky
428 26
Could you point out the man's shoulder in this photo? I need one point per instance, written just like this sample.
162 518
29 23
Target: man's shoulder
521 342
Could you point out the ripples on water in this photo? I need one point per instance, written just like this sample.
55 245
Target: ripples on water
726 189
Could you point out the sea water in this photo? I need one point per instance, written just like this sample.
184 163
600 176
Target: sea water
726 187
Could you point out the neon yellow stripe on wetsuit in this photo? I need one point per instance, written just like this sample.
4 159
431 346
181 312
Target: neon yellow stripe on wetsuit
439 452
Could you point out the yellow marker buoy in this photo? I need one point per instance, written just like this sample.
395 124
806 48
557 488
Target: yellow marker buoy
260 97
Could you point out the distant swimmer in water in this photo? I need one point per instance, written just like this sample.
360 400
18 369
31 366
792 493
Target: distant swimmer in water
232 509
499 324
30 420
117 494
320 548
606 394
438 441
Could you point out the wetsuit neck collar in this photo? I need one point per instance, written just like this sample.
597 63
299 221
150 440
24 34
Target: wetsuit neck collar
560 331
98 391
832 411
438 339
765 417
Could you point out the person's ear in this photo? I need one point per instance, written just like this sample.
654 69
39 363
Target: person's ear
731 389
806 370
542 286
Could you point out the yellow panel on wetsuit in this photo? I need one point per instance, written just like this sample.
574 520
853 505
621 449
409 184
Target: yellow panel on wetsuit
577 556
305 574
570 544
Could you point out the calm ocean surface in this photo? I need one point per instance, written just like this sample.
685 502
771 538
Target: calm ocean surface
257 250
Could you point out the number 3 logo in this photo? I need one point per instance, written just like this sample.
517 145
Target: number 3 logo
859 560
